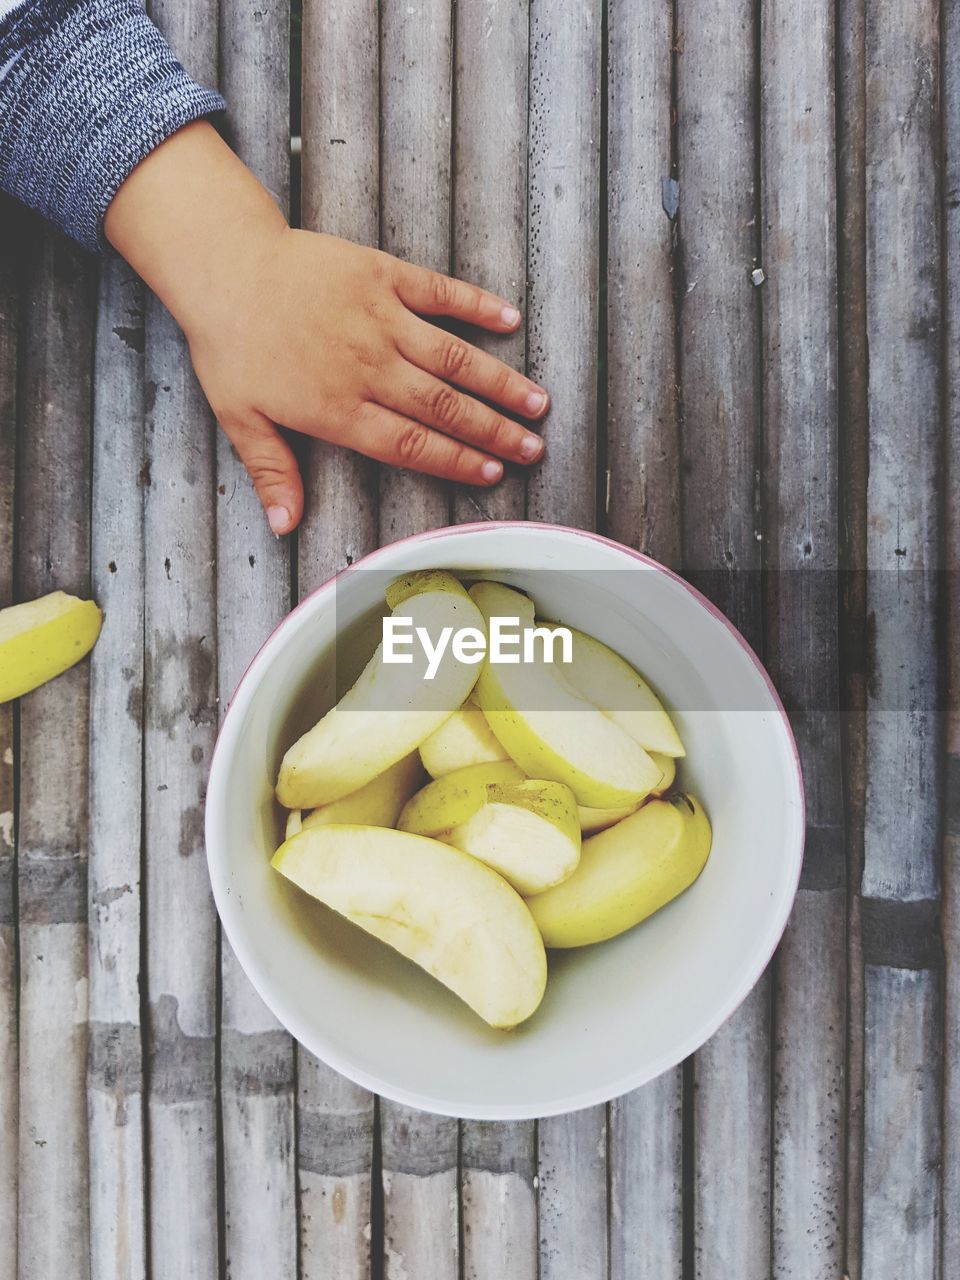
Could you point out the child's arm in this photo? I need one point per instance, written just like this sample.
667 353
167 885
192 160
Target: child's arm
313 332
100 126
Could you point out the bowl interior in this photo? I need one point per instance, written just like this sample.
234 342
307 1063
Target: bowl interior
614 1015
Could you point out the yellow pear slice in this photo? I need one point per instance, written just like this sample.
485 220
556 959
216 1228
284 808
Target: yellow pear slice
548 728
524 828
621 693
392 708
377 804
464 740
593 820
43 638
439 907
626 873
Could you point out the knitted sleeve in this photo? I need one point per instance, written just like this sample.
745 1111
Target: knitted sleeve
87 89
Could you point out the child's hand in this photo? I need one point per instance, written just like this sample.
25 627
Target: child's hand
316 333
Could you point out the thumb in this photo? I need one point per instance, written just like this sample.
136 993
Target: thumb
272 468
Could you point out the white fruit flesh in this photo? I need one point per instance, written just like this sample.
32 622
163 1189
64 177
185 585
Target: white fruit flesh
593 820
464 740
378 804
454 798
391 709
446 911
549 729
611 684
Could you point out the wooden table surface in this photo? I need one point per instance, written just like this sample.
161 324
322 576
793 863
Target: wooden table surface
754 379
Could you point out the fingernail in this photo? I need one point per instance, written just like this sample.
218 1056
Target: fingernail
279 518
531 447
510 316
491 470
535 403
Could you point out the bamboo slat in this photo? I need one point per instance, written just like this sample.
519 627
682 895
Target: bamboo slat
53 551
340 195
257 1058
115 1061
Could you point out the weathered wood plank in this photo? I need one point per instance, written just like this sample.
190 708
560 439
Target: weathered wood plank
257 1058
720 397
642 510
643 497
951 860
563 255
416 61
180 728
9 1100
54 552
498 1197
490 193
421 1210
340 195
902 1082
800 363
563 220
115 1059
900 883
851 209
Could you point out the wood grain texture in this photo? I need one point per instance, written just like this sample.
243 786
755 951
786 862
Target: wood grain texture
721 551
180 728
489 196
642 511
643 500
800 363
257 1058
115 1059
9 1091
951 860
563 257
53 551
421 1208
905 476
498 1197
416 108
901 1193
572 1163
340 195
851 182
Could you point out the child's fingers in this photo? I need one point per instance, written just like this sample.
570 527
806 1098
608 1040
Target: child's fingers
402 442
272 467
432 294
437 404
456 361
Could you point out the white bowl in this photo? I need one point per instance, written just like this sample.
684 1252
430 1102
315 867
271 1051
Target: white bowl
614 1015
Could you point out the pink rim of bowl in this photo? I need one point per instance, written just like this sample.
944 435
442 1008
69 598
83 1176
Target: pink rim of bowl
767 942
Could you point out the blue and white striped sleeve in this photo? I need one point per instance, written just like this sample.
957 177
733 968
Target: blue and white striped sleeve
87 89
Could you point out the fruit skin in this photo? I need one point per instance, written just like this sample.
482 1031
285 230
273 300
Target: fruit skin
527 829
448 801
391 709
560 736
40 639
439 907
621 693
464 740
378 804
626 873
594 820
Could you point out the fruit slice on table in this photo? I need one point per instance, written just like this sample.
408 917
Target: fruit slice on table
524 828
626 873
43 638
593 820
621 693
377 804
464 740
439 907
392 708
548 728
